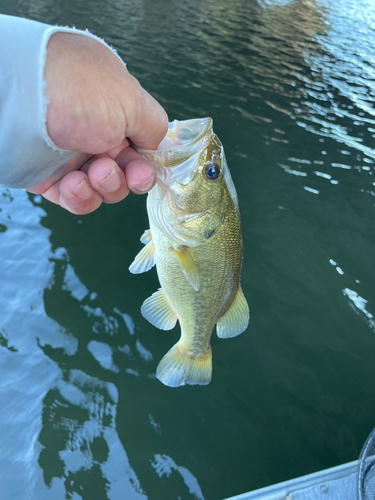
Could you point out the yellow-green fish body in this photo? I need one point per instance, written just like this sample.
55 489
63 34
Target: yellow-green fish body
195 240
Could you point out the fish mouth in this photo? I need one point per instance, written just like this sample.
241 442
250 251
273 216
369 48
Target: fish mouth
177 157
183 140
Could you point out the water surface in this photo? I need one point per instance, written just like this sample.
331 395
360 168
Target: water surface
290 86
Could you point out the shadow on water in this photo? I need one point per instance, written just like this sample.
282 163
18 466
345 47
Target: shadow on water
290 86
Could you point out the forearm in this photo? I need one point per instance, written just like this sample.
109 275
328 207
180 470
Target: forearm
27 154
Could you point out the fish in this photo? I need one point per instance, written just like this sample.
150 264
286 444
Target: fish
195 240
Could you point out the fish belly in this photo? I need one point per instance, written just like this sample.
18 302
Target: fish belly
218 262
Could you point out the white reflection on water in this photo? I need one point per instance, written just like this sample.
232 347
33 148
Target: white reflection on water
340 102
73 284
143 352
165 465
155 426
322 174
27 374
311 190
127 320
36 403
97 400
341 165
312 61
291 171
360 303
102 322
357 303
103 355
338 268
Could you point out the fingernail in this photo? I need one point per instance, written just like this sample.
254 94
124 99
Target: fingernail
83 190
111 182
145 186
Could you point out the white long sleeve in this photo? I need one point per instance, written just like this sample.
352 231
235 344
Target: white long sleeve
27 154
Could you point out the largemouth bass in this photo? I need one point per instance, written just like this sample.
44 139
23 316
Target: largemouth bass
196 243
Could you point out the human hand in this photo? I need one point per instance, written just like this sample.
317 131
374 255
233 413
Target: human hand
96 108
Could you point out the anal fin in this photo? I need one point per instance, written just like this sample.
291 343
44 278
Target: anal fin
236 319
178 368
158 312
187 265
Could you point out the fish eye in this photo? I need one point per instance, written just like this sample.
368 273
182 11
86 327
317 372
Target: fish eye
212 171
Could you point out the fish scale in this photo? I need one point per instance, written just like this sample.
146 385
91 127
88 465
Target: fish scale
199 311
195 240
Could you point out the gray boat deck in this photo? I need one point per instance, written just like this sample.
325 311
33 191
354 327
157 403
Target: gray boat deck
337 483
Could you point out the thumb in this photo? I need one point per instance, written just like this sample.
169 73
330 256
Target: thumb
146 119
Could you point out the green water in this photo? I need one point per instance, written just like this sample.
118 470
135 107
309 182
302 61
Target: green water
290 86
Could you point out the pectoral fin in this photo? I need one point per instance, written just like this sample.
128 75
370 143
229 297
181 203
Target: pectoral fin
236 319
145 260
146 237
188 266
158 312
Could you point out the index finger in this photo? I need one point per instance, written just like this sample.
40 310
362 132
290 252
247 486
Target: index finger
140 174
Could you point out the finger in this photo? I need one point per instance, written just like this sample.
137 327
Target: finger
107 178
113 153
140 174
146 120
74 193
74 163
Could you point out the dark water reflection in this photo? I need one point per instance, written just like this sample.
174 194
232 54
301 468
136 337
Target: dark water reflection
290 86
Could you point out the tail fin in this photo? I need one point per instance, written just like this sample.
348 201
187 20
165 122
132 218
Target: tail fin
178 368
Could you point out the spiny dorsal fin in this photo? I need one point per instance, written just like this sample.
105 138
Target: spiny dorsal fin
187 265
236 319
178 368
145 260
146 237
158 312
